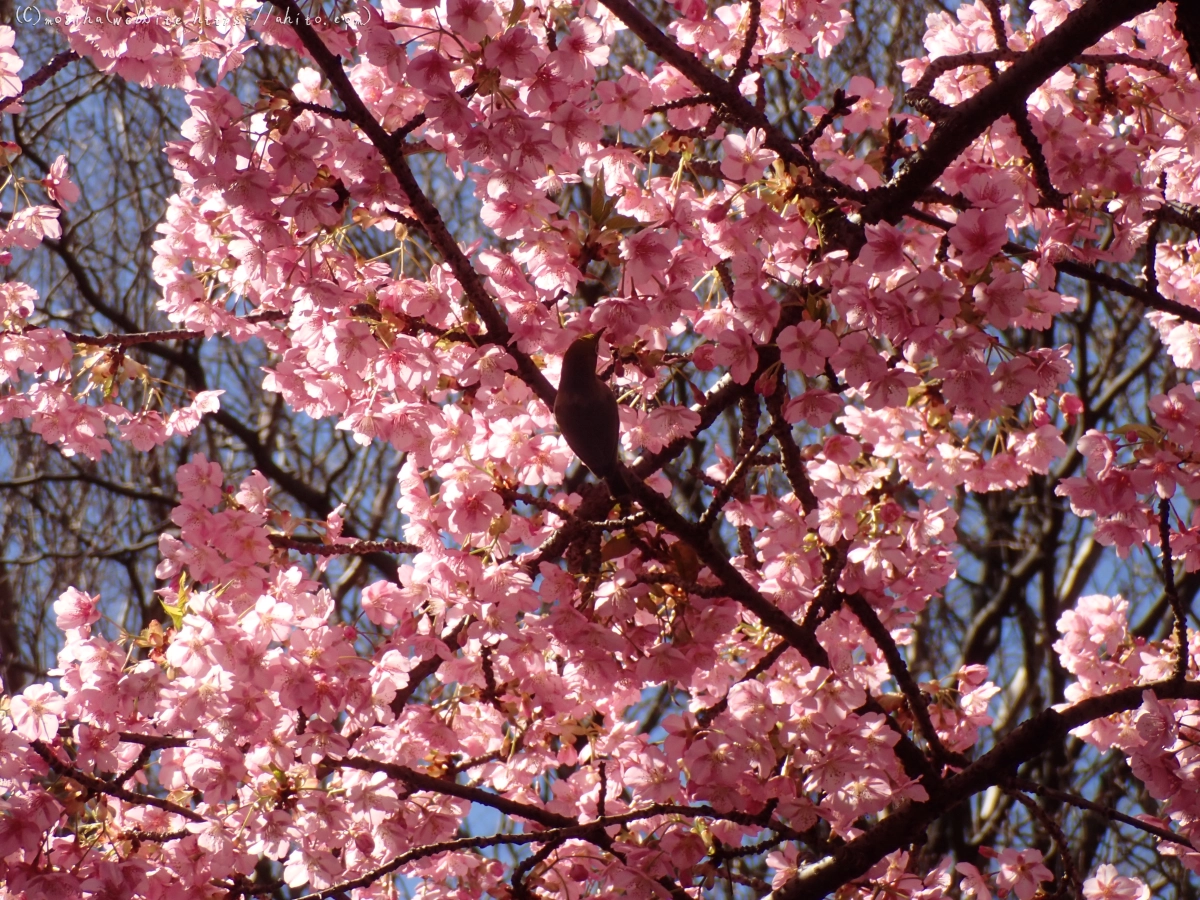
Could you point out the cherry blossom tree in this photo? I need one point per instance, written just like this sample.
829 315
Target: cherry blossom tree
899 603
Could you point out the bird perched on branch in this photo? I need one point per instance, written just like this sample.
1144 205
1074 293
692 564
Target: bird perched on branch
586 412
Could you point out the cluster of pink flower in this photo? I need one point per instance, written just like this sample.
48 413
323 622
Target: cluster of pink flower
256 725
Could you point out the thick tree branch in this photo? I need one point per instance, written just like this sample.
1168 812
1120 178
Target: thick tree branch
733 105
731 579
423 208
960 126
906 825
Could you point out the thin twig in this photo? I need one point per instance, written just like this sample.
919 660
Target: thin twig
899 669
1106 811
100 786
743 60
317 547
41 76
1171 591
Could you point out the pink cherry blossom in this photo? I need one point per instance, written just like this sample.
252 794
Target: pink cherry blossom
10 64
36 712
979 234
646 255
874 367
200 481
469 18
1107 884
806 347
973 884
745 157
74 609
735 349
58 185
857 361
1021 871
623 102
871 108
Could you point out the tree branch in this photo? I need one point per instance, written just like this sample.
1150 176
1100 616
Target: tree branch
960 126
423 208
907 824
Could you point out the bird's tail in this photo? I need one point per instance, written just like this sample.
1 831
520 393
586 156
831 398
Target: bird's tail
618 486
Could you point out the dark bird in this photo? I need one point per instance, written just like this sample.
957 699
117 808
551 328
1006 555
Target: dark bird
586 412
1187 20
